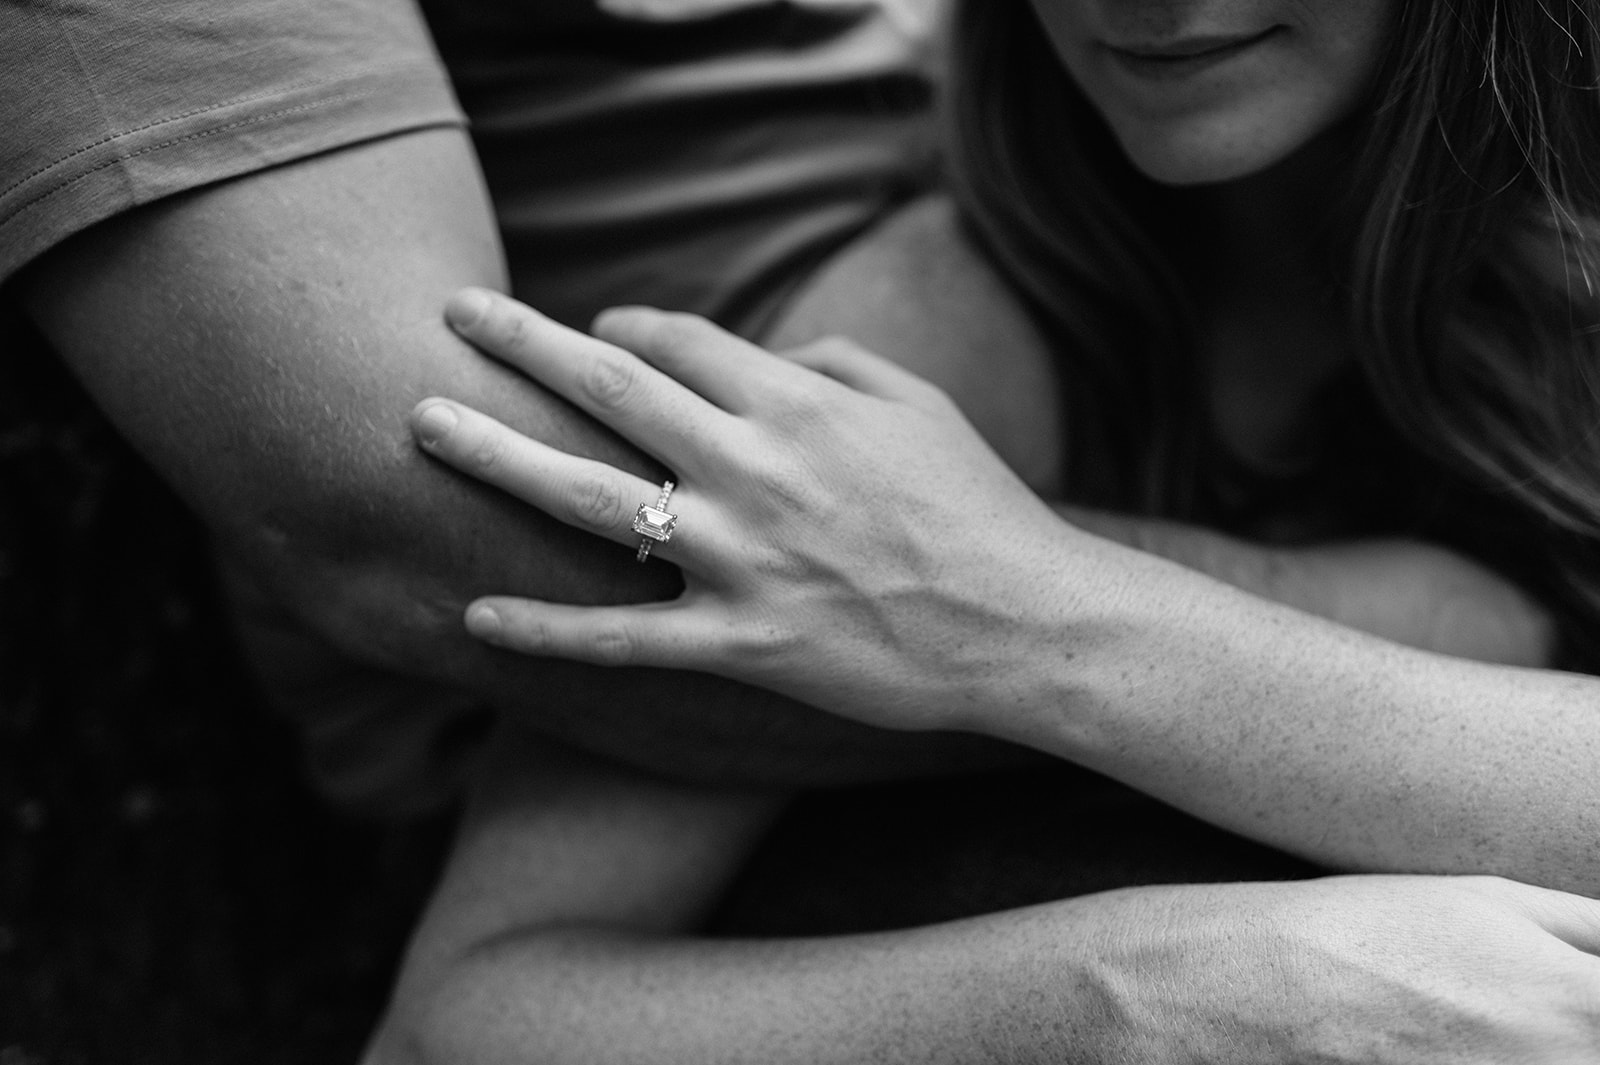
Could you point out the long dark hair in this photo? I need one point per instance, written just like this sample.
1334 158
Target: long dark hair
1468 247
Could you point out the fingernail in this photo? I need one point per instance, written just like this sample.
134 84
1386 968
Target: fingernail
465 308
484 623
434 422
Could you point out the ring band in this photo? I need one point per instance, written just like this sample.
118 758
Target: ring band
653 524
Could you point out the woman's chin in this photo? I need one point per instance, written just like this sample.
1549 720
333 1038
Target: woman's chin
1207 164
1199 152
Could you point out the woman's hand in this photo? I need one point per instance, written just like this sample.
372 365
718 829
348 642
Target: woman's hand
845 535
848 540
1386 970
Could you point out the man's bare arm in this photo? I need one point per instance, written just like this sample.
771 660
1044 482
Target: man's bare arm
562 931
261 342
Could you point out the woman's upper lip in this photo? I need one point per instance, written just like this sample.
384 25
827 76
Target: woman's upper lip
1186 47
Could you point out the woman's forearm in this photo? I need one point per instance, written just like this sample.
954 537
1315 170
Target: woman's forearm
1398 971
1350 750
594 995
1407 591
560 933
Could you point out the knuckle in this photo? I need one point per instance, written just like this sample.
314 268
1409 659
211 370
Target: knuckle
597 501
612 645
771 561
487 454
782 485
761 638
609 381
799 409
509 327
529 636
823 353
790 493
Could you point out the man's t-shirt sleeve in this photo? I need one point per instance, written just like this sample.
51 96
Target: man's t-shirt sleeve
109 104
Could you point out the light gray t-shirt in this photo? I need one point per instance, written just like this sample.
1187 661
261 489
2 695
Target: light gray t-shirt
109 104
702 155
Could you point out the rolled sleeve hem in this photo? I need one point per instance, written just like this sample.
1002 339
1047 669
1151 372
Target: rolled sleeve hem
176 153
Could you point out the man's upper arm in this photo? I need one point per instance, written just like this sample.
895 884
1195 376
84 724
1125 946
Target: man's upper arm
261 341
238 220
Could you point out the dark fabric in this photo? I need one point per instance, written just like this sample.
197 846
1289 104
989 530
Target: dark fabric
697 154
700 155
894 856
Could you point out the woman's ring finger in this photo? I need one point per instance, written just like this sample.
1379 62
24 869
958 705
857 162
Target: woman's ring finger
654 524
581 492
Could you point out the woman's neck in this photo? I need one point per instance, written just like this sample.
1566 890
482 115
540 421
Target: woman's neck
1273 327
1269 230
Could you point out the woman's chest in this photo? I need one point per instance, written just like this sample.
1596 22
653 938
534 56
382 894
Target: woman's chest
1265 368
1294 446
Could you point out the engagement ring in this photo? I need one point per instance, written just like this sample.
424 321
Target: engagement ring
653 524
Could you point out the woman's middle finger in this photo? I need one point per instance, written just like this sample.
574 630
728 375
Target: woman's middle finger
613 385
581 492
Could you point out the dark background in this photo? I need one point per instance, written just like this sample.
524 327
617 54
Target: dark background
169 890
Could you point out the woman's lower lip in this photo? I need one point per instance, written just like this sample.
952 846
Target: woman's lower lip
1159 67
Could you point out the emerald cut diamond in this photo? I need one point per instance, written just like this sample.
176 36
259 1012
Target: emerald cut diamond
654 522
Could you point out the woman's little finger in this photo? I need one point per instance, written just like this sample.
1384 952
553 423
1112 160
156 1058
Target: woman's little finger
652 634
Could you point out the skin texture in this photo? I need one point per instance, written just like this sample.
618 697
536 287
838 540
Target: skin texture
1409 592
821 562
283 428
342 519
260 343
1334 751
552 938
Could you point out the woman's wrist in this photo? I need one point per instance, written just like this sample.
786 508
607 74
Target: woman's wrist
1116 637
1052 610
1348 750
1160 672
